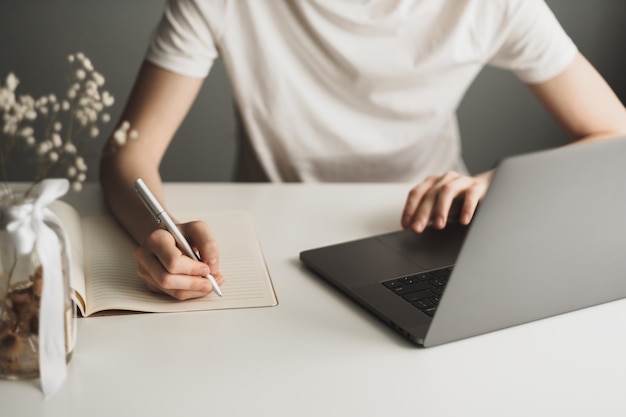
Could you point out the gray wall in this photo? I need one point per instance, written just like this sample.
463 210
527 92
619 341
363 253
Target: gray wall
498 117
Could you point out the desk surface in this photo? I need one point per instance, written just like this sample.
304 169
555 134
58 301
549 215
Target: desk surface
316 353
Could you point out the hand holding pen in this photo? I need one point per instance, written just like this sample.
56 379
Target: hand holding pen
162 217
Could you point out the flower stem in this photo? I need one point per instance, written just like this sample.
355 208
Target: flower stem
3 172
6 293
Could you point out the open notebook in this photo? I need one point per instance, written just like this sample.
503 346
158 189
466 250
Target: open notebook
104 272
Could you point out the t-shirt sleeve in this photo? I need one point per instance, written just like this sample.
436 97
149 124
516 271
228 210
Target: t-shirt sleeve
184 41
533 44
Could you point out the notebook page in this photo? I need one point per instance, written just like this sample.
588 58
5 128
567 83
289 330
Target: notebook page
112 282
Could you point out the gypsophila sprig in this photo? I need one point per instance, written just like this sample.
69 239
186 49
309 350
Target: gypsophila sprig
52 130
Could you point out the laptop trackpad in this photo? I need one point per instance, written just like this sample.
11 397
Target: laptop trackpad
366 261
358 263
430 249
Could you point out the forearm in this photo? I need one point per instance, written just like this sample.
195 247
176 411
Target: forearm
118 173
157 105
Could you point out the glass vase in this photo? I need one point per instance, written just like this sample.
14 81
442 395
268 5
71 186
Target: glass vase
21 283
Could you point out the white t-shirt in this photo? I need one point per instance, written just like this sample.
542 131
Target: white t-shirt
355 90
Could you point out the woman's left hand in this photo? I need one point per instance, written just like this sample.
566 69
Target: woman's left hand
439 199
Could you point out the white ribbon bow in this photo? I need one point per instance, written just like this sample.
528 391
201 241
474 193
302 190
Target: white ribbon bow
33 226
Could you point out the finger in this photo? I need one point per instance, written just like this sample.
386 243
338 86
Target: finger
161 244
421 217
184 287
159 279
219 278
448 193
414 199
425 212
201 238
473 196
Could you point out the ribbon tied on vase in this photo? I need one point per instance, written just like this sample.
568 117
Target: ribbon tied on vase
33 226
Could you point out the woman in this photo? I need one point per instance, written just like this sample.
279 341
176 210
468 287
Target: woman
342 90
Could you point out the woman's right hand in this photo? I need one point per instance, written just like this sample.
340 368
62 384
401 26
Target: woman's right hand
165 268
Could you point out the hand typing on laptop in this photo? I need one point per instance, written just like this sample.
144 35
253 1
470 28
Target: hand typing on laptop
439 199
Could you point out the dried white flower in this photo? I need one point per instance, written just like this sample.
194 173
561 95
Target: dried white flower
70 148
98 78
43 148
92 88
87 64
120 137
107 99
7 99
12 82
27 131
80 164
57 142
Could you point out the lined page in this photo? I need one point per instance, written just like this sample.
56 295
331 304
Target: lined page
111 271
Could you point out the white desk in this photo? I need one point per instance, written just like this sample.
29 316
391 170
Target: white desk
317 354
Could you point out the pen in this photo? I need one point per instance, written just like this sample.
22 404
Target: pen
161 217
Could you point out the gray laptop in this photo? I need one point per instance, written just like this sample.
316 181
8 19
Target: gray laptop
549 238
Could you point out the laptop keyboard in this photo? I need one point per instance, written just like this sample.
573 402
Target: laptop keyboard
422 290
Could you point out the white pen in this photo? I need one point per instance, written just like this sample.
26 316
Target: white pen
161 217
